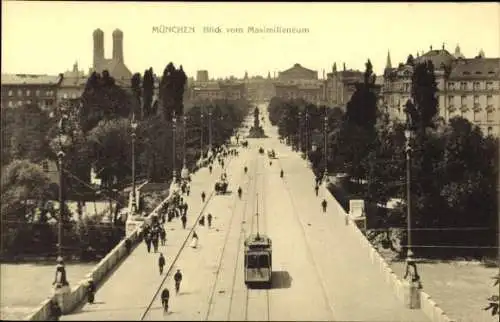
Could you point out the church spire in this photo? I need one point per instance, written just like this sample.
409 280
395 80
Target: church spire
334 68
388 64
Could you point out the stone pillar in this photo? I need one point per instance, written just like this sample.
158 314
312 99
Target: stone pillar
62 296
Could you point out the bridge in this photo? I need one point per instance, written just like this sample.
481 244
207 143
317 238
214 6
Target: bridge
320 269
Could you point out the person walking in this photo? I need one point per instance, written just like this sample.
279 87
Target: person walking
55 310
281 173
323 204
210 169
203 196
163 236
161 263
147 240
184 221
155 238
177 279
165 296
194 240
316 188
202 221
90 291
209 219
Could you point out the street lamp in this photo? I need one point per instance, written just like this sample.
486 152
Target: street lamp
325 153
300 132
184 171
210 130
307 135
408 136
202 128
174 130
133 126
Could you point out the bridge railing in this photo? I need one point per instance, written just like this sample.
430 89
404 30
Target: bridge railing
430 308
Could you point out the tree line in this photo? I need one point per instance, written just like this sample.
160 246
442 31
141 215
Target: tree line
97 134
454 166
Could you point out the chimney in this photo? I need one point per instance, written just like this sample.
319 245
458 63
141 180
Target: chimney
98 48
118 45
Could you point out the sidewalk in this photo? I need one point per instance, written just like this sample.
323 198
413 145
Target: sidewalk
128 291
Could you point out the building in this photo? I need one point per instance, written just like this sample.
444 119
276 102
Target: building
258 88
299 82
72 84
216 90
116 65
202 76
467 87
19 89
340 85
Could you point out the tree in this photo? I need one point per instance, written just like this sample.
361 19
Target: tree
424 107
102 99
172 87
135 84
410 60
147 92
361 110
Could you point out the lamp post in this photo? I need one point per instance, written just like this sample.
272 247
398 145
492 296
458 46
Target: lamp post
325 153
174 130
300 132
133 126
60 159
184 171
202 128
209 129
307 135
408 136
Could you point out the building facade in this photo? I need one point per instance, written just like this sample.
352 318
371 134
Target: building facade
258 88
299 82
216 90
72 84
467 87
19 89
340 85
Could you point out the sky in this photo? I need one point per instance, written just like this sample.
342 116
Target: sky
49 37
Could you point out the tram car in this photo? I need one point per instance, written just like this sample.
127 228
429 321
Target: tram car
258 260
221 185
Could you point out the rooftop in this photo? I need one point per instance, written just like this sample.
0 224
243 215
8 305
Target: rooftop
476 68
30 79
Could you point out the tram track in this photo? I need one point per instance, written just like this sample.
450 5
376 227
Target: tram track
307 243
181 249
255 299
223 252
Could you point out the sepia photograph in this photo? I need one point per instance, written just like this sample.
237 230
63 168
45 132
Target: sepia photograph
250 161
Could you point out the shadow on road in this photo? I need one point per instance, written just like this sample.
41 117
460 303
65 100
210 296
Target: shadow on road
281 279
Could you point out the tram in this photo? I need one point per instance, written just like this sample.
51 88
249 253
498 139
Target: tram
258 260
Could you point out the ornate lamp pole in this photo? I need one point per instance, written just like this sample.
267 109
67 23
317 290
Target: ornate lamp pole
202 128
300 132
133 126
408 136
210 130
325 153
174 130
307 135
60 159
184 171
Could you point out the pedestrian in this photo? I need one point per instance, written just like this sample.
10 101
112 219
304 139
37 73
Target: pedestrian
161 263
203 196
165 296
202 220
323 204
184 220
147 240
177 279
194 240
163 236
210 169
128 245
209 219
90 291
155 240
185 208
316 188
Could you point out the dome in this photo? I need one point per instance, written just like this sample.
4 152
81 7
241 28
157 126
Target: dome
98 32
117 32
438 58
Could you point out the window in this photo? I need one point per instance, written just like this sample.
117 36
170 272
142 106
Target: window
489 116
489 101
37 92
451 86
28 101
10 104
45 166
477 86
450 101
476 101
65 96
47 93
476 116
490 130
11 93
19 92
28 92
463 101
463 86
73 95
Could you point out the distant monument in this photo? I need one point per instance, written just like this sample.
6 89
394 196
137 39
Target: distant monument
256 131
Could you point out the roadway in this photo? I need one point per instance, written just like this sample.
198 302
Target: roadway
319 270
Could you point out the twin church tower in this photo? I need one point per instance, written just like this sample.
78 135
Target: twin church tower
116 65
